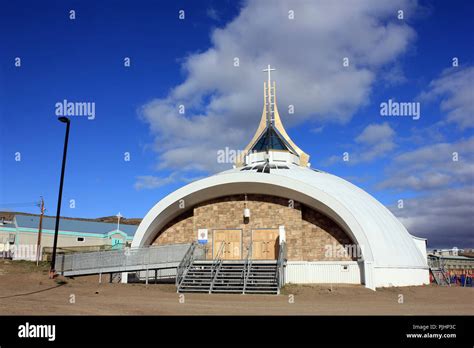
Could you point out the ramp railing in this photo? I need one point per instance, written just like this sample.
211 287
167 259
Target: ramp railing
117 260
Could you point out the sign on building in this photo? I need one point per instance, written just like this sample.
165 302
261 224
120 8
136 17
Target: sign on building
202 236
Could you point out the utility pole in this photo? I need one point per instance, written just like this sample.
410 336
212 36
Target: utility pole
40 229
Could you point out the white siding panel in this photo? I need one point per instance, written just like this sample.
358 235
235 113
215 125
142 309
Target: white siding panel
301 272
392 276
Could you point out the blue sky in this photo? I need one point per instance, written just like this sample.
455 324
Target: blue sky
189 62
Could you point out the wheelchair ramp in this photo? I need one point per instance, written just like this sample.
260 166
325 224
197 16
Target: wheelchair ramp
126 260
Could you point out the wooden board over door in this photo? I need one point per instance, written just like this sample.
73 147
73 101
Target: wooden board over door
265 244
232 240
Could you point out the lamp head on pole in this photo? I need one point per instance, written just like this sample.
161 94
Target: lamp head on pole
63 119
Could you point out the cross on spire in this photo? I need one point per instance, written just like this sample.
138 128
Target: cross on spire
269 70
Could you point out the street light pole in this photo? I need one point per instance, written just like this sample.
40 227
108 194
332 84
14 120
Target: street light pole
52 271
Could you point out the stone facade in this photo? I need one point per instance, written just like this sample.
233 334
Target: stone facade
308 232
178 230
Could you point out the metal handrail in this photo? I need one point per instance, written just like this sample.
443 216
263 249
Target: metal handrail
280 265
95 260
436 263
248 265
444 272
184 264
216 265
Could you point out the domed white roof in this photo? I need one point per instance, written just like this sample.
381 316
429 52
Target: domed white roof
382 237
388 240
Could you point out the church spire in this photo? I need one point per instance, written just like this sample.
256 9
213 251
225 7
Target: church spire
269 96
271 136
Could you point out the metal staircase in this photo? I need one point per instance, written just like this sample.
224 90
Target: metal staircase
233 276
262 278
438 270
198 278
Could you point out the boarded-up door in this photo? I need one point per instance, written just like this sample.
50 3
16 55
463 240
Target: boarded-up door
265 244
232 240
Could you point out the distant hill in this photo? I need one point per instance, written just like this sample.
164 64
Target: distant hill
8 215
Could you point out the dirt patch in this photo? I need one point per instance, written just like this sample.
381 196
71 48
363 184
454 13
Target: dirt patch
26 289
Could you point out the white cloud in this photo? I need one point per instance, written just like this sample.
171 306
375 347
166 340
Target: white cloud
455 90
152 182
444 213
375 134
317 130
223 103
424 135
394 76
445 217
375 141
432 167
213 14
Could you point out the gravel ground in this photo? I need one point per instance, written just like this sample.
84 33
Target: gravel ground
26 289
